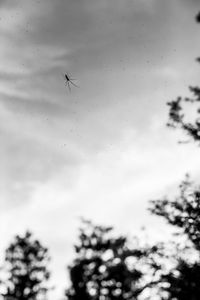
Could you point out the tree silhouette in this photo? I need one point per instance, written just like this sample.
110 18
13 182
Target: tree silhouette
105 266
182 282
26 261
178 108
182 212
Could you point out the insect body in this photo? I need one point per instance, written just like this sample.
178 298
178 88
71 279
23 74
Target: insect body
69 81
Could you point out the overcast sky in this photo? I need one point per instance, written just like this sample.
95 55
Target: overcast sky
103 150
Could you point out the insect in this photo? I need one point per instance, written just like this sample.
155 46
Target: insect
69 81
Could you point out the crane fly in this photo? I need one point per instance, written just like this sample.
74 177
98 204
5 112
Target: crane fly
69 81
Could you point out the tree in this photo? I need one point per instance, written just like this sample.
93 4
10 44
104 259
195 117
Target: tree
177 109
182 212
182 282
105 266
26 261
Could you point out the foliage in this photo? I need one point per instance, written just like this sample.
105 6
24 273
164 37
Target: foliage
105 267
177 117
182 282
182 212
26 261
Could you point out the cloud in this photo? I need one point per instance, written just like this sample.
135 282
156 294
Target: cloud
102 150
111 187
30 154
113 47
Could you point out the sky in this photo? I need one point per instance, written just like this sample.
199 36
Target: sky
103 150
